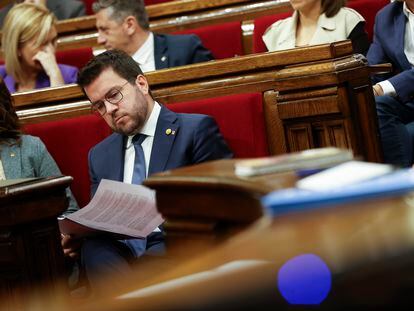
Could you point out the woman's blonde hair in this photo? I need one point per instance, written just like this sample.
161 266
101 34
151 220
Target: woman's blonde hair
24 22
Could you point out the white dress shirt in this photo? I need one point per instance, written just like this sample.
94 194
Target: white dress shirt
2 175
386 85
149 130
145 55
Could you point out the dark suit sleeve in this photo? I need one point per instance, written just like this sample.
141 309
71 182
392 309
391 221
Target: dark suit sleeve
198 52
209 144
359 38
403 82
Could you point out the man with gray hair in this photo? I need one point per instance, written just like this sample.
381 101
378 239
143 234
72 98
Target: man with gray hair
123 25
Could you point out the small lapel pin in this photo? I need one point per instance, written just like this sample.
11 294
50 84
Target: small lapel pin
12 154
164 58
169 132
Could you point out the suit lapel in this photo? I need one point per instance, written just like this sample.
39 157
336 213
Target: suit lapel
11 160
165 133
115 158
160 52
399 30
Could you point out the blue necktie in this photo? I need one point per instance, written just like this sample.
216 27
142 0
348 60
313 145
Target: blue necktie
139 163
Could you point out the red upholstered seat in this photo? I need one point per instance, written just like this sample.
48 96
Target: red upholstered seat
240 118
69 141
74 57
368 9
88 6
150 2
223 40
260 26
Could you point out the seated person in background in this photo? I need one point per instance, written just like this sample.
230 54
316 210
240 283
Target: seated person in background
23 156
63 9
148 139
317 22
29 44
123 25
394 43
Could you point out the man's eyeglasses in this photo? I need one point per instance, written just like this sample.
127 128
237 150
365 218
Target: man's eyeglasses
114 96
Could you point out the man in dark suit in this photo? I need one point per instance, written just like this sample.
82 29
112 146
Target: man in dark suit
394 93
120 93
62 9
123 25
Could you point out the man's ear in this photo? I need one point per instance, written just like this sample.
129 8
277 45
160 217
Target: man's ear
130 25
142 84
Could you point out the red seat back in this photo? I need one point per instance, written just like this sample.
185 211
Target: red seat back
223 40
88 6
240 119
74 57
69 141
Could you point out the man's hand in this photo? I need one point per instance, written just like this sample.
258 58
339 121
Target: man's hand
377 89
71 246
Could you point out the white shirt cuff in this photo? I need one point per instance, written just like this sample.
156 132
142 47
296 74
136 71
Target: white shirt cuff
388 88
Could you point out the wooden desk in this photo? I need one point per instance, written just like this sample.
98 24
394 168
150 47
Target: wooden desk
30 251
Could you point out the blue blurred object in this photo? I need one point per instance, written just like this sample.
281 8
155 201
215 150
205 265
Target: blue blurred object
304 280
294 199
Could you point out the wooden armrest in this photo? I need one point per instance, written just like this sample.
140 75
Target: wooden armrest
380 68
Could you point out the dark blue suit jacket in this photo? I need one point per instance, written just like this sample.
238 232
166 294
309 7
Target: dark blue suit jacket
178 50
388 47
197 139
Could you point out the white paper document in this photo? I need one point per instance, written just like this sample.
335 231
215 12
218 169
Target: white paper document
343 175
120 208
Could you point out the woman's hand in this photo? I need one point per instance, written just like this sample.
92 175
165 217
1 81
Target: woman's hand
46 57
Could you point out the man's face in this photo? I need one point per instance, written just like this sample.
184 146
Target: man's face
111 34
130 114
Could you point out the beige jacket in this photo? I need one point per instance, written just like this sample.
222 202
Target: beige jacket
282 34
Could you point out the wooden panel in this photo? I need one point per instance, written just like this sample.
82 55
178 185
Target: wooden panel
299 137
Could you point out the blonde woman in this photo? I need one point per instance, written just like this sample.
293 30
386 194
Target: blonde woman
29 44
317 22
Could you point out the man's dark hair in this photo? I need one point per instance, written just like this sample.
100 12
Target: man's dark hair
120 62
9 122
119 9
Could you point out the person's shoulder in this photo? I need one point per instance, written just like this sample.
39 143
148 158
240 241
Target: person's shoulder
390 10
351 15
278 27
31 144
181 39
107 143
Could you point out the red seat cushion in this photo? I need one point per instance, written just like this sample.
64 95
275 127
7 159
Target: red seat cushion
74 57
223 40
69 141
240 119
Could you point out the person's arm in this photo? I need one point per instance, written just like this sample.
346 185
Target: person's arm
359 38
199 52
209 144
